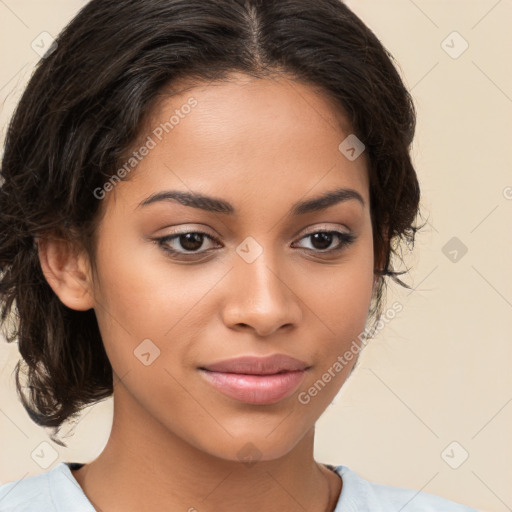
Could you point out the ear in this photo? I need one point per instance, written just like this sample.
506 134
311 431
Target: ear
67 270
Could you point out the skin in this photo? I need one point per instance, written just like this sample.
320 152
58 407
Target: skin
262 145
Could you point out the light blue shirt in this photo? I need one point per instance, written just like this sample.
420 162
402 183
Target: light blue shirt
57 491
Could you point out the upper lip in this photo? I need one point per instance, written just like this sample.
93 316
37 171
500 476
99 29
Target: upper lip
252 365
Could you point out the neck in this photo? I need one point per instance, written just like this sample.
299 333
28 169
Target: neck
148 467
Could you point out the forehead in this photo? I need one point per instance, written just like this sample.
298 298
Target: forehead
273 137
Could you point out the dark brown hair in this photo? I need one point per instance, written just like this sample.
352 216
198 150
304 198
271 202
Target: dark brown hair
84 107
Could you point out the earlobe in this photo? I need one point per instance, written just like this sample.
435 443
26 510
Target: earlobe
67 271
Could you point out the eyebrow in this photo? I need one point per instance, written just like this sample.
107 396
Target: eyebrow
216 205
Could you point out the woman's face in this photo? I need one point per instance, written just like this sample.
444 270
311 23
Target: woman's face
258 282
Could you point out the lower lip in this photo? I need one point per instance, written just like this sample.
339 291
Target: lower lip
255 389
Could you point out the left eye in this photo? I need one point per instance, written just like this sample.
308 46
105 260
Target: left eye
324 239
192 241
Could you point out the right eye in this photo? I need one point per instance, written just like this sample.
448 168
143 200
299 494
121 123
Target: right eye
187 240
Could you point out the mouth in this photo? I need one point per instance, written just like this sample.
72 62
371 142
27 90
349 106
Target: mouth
255 379
255 388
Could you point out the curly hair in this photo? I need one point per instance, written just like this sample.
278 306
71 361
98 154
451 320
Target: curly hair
84 107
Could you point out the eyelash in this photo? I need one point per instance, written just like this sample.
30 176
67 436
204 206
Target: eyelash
345 240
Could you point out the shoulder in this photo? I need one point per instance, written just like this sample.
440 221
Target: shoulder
51 491
26 494
358 492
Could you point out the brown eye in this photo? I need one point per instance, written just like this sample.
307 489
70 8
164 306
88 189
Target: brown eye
190 243
187 243
321 241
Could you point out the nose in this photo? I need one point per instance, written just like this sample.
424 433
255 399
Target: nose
260 296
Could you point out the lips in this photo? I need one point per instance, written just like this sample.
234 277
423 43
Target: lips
256 380
250 365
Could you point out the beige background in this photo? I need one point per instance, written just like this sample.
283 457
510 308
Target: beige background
439 372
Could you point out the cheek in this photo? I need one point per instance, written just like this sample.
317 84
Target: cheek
339 311
342 296
134 281
142 295
125 295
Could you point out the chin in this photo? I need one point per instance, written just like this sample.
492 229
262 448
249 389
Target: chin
251 447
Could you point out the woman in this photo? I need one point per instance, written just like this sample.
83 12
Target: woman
201 204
